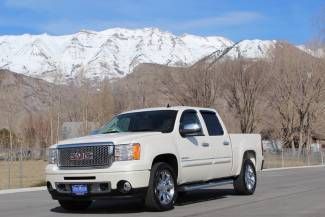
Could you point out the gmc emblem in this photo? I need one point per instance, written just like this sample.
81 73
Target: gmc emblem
77 156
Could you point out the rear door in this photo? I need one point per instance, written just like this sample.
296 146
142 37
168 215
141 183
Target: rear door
220 145
195 151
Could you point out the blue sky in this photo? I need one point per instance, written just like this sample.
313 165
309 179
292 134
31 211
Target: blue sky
290 20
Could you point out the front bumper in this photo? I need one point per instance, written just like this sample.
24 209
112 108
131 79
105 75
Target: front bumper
114 194
138 179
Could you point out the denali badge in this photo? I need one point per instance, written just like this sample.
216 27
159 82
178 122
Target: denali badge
76 156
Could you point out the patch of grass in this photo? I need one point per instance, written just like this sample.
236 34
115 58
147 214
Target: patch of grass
20 174
39 184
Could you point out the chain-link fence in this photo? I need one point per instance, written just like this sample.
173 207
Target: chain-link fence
22 167
291 158
25 167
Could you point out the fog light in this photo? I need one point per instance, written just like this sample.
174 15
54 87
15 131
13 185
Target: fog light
103 186
124 186
61 187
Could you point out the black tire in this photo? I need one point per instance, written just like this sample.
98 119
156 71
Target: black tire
181 194
75 205
241 185
153 201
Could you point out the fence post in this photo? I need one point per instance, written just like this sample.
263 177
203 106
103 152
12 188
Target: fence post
9 168
21 167
282 158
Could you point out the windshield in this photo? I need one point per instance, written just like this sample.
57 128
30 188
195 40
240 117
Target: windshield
148 121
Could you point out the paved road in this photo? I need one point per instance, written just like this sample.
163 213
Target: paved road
286 193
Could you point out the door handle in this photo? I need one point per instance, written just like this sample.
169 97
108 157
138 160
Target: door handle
226 143
205 144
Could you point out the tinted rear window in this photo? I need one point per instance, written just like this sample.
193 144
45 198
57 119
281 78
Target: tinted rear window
212 123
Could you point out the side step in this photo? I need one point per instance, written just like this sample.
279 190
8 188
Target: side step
209 184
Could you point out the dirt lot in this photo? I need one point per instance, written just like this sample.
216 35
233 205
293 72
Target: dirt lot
22 173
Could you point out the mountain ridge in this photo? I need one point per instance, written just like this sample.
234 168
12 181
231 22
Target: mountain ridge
113 53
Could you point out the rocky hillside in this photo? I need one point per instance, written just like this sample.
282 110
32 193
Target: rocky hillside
21 95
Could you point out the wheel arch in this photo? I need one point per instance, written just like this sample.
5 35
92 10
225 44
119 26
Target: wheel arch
168 158
249 155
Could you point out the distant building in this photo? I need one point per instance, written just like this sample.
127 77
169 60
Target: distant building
271 145
318 140
76 129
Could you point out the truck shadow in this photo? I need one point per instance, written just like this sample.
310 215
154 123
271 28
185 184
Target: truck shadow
203 195
136 206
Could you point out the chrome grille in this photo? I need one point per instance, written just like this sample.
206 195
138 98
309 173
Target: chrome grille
86 156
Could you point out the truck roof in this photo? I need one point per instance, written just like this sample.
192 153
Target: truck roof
177 108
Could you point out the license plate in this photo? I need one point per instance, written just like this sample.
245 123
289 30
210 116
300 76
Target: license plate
80 189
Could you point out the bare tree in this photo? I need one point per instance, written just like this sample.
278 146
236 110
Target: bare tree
196 86
280 98
102 102
300 86
244 84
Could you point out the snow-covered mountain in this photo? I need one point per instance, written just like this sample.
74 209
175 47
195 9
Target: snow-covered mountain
316 52
112 53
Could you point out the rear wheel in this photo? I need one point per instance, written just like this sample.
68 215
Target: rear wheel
161 194
74 205
245 183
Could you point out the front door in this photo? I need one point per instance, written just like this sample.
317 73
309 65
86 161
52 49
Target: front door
195 151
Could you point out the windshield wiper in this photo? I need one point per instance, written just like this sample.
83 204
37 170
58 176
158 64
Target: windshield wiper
112 131
144 130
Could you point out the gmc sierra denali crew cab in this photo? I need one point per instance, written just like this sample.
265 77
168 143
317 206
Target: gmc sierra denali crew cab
155 154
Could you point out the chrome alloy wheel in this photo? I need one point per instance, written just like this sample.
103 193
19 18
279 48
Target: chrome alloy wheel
165 187
250 178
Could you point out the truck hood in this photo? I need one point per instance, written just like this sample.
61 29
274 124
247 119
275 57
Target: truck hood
116 138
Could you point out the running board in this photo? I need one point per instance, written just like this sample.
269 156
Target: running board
210 184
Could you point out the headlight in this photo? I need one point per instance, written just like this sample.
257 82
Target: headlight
125 152
53 156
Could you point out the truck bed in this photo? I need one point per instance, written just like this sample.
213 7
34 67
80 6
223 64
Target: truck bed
246 142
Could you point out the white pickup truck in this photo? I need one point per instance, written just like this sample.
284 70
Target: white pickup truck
155 154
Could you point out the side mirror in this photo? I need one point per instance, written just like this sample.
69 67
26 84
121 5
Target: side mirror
190 130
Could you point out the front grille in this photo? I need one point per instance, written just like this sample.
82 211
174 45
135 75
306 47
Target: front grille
86 156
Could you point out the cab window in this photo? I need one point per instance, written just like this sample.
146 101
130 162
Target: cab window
213 124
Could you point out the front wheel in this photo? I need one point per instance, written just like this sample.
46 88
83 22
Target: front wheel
72 205
245 183
161 194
